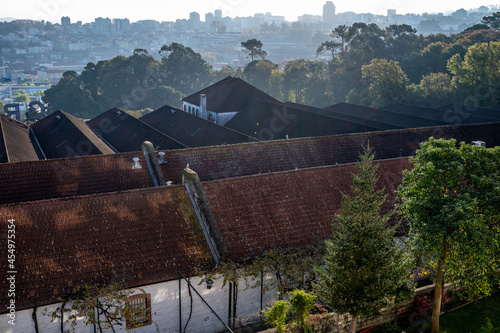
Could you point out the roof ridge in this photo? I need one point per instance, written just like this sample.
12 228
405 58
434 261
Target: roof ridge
319 167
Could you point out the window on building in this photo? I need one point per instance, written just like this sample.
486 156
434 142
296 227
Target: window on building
210 118
189 109
196 112
139 310
185 108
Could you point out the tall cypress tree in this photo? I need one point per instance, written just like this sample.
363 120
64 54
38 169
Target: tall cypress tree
364 267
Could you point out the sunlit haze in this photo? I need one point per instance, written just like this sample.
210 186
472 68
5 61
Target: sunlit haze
86 11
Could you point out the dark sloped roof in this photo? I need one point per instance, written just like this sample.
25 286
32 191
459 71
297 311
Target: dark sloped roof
288 209
221 162
228 95
63 135
190 130
56 178
105 173
465 111
15 142
385 117
135 237
448 116
267 121
126 133
346 115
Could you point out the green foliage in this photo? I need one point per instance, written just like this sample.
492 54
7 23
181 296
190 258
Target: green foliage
488 328
451 200
253 47
103 306
299 308
302 304
292 267
492 21
477 75
276 315
364 269
24 97
385 83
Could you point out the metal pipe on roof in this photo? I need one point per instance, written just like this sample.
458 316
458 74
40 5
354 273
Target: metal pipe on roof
38 144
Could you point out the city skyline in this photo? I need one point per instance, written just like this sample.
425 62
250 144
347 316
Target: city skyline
53 10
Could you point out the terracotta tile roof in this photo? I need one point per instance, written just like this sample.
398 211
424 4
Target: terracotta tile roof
465 111
190 130
63 135
228 95
134 237
385 116
56 178
270 120
126 133
219 162
15 142
450 116
287 209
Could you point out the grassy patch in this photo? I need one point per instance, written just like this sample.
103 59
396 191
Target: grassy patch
467 319
471 317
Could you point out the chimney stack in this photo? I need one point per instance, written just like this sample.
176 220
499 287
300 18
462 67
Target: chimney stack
203 106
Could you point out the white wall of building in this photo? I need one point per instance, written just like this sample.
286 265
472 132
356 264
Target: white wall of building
164 308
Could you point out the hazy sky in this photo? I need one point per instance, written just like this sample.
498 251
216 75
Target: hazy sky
168 10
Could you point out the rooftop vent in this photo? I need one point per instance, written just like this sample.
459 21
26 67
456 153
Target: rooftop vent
161 158
118 112
136 164
479 143
58 117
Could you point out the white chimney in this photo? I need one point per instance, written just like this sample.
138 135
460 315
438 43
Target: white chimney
479 143
203 106
161 158
136 164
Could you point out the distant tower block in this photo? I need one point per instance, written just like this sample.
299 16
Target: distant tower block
328 12
218 14
65 20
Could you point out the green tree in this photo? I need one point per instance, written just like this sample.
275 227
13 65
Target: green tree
364 268
329 46
2 104
253 47
434 89
184 69
69 95
258 73
477 75
22 98
492 21
451 200
384 82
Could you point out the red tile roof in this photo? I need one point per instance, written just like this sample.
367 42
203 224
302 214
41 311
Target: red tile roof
15 142
63 135
287 209
219 162
56 178
134 237
106 173
228 95
126 133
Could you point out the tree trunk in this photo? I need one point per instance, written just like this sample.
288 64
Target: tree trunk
436 307
354 323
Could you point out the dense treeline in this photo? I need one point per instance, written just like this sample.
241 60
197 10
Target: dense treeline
368 66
